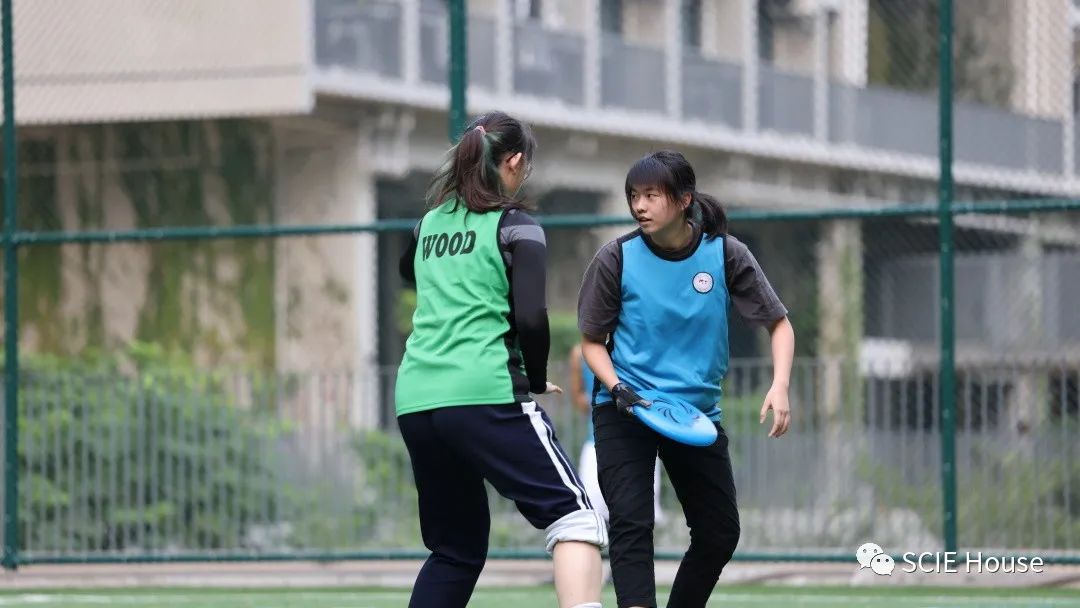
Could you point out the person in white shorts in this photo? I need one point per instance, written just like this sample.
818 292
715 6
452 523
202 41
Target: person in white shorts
582 386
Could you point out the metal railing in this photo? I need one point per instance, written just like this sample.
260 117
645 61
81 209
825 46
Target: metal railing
157 465
365 38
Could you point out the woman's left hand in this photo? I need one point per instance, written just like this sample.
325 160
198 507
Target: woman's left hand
777 401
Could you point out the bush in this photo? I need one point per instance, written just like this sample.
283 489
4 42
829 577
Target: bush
139 453
375 510
1006 499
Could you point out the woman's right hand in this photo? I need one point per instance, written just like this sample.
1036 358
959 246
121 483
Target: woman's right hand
551 388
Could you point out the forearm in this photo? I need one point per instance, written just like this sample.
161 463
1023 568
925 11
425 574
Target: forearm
405 263
579 393
596 357
783 351
527 278
534 338
581 401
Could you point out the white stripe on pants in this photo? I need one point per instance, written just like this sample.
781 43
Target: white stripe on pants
542 430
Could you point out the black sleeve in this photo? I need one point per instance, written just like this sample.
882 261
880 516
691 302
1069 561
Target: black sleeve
600 298
525 250
751 293
406 267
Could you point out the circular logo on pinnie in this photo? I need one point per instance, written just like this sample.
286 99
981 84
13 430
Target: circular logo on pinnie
703 282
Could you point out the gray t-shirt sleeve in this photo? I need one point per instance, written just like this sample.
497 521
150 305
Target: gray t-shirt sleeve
516 228
751 294
600 298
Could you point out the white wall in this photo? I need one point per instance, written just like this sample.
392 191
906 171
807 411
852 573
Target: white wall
97 61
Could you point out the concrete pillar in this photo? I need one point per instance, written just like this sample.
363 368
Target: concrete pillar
1068 124
850 40
840 310
673 57
593 54
1042 57
505 53
410 41
1026 407
821 74
325 286
751 63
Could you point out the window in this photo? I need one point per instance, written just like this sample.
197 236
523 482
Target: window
911 403
1065 394
765 31
691 23
611 16
526 9
1076 95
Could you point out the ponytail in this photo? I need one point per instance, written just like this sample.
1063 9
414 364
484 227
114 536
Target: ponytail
471 171
707 211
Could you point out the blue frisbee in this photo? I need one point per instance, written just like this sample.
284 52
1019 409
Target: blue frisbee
676 419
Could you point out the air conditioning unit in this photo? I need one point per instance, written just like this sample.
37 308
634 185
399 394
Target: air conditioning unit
809 8
886 358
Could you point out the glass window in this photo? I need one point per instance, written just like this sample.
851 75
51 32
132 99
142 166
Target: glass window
691 24
611 16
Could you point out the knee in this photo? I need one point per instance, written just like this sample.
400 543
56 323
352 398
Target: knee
718 543
474 565
465 559
585 526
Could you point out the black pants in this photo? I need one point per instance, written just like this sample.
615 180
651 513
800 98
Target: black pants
453 450
626 451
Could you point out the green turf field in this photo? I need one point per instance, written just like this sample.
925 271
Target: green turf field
727 597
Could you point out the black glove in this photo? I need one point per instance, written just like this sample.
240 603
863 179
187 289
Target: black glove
626 399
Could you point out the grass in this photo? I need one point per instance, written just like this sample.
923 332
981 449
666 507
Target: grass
533 597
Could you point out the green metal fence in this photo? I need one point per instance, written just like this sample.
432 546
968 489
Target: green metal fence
11 300
165 461
954 429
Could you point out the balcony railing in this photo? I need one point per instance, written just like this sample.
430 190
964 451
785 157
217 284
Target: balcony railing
365 38
547 63
632 76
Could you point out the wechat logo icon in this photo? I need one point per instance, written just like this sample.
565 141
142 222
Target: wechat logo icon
871 555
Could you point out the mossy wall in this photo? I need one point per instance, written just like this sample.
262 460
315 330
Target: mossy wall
211 298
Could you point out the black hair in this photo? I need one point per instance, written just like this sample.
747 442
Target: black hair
672 174
471 170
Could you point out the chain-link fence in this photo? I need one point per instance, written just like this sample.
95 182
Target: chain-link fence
159 457
194 390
